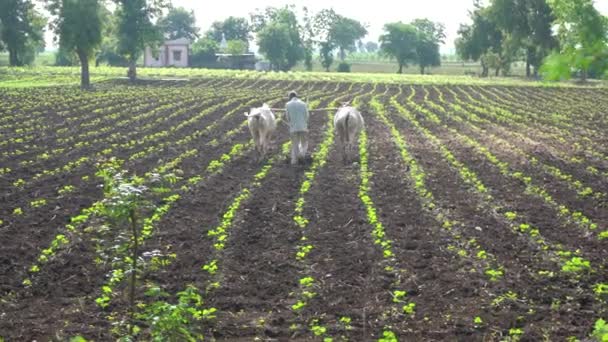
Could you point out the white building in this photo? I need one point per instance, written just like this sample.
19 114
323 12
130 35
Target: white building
171 53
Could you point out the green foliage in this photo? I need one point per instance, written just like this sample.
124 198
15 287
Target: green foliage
388 336
582 35
600 331
232 28
279 39
108 50
343 67
21 31
179 321
274 42
430 36
344 32
203 52
179 23
136 29
399 42
236 47
78 25
326 55
576 265
481 38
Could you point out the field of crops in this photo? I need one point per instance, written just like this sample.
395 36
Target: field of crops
472 212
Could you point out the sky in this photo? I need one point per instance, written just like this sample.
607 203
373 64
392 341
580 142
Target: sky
372 13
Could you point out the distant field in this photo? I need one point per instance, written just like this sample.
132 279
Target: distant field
358 66
447 68
43 76
471 211
45 58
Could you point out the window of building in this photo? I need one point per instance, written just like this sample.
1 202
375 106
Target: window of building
177 56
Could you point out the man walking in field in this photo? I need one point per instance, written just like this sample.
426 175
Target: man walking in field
297 118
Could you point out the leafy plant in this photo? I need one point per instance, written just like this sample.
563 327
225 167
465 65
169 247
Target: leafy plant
176 322
600 330
576 265
388 336
123 199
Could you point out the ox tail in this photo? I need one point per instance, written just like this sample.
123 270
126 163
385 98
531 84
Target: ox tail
346 128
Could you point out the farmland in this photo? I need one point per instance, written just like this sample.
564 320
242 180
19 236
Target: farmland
473 211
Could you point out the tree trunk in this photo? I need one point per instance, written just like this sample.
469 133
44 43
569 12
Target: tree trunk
484 69
132 73
421 70
584 75
85 82
342 54
13 57
528 62
400 68
497 72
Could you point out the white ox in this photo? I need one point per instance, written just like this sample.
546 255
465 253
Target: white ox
262 123
348 122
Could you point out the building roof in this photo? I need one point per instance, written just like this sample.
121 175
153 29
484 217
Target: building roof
179 41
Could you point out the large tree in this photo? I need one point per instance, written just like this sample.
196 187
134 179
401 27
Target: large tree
430 36
108 50
326 55
78 26
232 28
179 23
583 40
274 42
371 47
344 33
21 31
399 42
203 52
526 25
281 21
482 40
136 29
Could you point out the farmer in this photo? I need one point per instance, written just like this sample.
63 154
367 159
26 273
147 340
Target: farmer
297 118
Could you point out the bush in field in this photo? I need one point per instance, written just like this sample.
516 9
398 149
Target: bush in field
344 67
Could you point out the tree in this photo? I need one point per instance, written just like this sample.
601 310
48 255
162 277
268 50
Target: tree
78 26
274 42
281 20
322 23
203 52
344 33
21 31
371 47
1 43
399 42
236 47
136 30
526 25
582 36
233 28
108 50
179 23
327 56
430 35
308 33
480 38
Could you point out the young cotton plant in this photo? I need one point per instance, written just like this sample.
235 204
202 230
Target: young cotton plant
179 321
123 200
